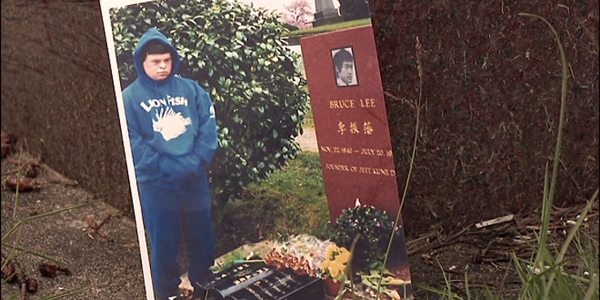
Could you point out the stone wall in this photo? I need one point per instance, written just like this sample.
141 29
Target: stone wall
491 94
58 95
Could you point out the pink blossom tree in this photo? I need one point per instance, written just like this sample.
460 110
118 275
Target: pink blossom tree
299 13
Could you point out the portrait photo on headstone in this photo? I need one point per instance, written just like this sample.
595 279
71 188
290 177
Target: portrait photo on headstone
344 67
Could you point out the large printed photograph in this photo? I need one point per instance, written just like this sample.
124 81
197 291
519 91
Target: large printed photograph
221 148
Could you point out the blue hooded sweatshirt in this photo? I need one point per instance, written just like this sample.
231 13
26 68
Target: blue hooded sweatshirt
171 123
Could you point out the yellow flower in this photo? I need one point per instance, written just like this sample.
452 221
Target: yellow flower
343 256
334 266
330 251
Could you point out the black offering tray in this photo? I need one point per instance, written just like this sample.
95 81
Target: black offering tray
258 281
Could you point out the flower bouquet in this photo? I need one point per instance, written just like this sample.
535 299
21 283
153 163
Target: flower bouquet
366 231
374 228
302 253
334 270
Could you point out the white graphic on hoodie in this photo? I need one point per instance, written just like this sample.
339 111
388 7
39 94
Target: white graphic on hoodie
169 123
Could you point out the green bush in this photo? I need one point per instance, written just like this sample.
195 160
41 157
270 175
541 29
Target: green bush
236 53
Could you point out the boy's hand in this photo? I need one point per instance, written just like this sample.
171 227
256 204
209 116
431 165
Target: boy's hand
179 167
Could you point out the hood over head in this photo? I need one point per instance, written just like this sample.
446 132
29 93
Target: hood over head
138 56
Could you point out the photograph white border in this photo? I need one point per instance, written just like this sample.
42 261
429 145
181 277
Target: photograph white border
105 6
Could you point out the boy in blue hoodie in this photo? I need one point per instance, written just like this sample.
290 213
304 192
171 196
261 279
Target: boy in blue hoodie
173 136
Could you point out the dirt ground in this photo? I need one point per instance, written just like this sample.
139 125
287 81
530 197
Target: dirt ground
90 250
103 258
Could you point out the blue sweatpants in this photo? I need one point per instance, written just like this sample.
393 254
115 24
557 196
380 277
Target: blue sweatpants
169 216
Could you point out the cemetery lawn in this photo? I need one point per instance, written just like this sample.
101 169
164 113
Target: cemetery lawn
328 27
292 201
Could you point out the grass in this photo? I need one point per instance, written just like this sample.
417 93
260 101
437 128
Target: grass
297 196
328 27
292 201
309 120
543 275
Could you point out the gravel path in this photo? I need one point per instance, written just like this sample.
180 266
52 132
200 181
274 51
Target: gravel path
308 140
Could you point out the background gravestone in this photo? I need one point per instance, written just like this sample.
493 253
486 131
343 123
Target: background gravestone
325 13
